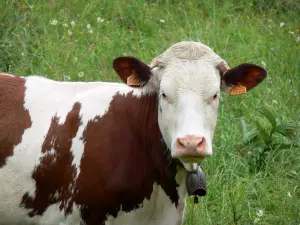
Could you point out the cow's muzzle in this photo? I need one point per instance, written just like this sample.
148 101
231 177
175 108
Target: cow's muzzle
191 148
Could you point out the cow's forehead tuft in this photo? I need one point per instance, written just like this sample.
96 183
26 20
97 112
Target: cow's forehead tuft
186 51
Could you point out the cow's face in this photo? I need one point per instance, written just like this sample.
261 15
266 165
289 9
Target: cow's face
188 78
188 106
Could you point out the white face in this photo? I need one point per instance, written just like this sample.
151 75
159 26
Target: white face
188 106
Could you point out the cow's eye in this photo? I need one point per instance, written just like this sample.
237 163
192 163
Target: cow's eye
164 96
215 96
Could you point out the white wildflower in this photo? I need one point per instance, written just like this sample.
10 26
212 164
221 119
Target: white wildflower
53 22
22 53
100 20
90 31
88 26
260 213
162 20
256 220
275 101
289 194
66 77
281 24
291 32
65 25
70 32
298 39
73 23
31 6
80 74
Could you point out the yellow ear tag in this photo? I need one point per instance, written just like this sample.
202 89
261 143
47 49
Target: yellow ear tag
237 90
133 80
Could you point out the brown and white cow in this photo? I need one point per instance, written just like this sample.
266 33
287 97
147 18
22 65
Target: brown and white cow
91 152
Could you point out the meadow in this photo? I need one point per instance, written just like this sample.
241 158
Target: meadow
77 40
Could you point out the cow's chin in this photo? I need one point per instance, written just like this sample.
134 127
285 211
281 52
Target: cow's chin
190 163
190 166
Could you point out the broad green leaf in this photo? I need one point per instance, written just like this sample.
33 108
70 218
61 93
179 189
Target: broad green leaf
266 113
287 130
263 133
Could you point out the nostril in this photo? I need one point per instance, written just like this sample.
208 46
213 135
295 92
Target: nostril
180 143
201 144
199 141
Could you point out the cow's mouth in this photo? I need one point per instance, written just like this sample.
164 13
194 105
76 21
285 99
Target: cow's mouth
191 159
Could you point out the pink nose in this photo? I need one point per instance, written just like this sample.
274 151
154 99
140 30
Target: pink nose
193 146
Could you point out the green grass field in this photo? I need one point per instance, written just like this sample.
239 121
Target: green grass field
39 37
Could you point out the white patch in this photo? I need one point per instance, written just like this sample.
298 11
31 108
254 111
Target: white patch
54 216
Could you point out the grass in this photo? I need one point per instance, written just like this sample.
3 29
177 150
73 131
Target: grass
240 31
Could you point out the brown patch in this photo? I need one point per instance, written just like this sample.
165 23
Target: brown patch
247 75
123 158
14 118
132 71
55 175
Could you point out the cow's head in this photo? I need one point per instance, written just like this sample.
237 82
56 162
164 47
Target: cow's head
188 78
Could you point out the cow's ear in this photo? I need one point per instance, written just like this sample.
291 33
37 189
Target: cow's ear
242 78
132 71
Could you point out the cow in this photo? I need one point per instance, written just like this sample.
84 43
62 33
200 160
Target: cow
101 153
